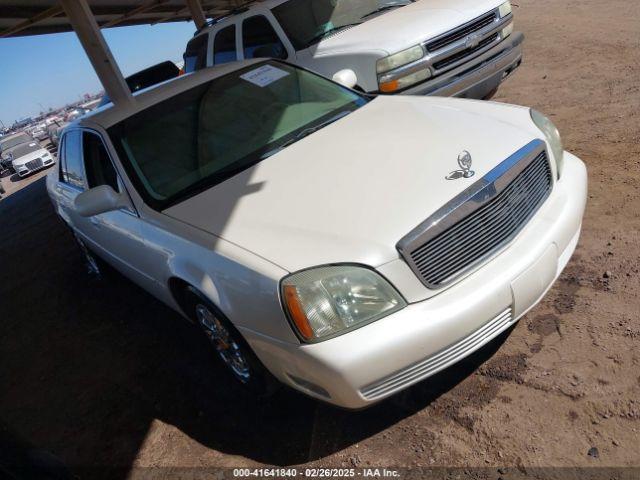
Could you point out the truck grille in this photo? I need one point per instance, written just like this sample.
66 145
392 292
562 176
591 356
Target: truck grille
484 218
34 164
461 32
464 53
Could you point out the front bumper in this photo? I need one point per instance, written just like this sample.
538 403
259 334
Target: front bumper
24 170
364 366
478 77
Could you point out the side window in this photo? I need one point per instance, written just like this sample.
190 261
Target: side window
195 56
224 46
100 170
259 39
72 171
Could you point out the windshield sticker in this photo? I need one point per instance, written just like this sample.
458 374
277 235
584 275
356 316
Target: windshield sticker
264 75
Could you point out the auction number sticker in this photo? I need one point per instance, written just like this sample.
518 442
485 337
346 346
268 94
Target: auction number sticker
264 75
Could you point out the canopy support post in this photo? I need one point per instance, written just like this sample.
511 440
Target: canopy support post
84 24
196 13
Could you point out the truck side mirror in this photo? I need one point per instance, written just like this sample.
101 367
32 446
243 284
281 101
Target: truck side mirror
99 200
346 77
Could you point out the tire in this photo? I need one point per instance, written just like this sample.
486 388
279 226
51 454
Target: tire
228 346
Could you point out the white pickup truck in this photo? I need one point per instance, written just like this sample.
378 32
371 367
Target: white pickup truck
462 48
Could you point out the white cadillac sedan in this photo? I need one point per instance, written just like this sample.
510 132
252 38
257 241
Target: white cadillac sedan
348 245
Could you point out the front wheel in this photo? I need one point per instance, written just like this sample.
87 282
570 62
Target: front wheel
230 347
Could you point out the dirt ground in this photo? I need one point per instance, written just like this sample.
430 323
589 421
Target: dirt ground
100 374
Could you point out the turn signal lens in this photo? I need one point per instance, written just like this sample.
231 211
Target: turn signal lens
403 82
296 312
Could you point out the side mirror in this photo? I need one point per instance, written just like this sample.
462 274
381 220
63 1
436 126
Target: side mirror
99 200
346 77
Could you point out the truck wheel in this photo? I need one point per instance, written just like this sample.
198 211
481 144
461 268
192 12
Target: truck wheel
229 346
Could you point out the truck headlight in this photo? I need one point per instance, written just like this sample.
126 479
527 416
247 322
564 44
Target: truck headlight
552 135
504 9
326 301
399 59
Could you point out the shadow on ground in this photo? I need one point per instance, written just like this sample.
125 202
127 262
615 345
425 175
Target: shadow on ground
87 365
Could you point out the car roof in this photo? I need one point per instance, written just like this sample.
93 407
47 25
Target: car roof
110 114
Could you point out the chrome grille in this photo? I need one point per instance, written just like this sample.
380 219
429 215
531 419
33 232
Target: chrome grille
456 47
440 360
34 164
464 53
480 220
461 32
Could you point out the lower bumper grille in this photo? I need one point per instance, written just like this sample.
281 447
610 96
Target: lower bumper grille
438 361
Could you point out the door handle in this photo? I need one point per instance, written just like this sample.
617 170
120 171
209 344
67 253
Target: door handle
95 222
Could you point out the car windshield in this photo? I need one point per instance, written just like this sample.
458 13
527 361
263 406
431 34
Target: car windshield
308 21
25 149
6 144
200 137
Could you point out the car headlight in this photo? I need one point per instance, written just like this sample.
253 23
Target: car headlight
504 9
552 135
327 301
399 59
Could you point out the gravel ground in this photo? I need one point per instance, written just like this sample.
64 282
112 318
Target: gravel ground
100 374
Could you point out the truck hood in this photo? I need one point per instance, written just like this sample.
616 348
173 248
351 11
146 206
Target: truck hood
404 27
29 156
350 191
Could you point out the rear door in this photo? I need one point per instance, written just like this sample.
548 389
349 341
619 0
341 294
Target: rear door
260 39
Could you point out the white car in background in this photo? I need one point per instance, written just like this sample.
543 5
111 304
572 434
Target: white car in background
30 157
350 245
429 47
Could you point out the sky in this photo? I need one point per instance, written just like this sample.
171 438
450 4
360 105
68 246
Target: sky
46 71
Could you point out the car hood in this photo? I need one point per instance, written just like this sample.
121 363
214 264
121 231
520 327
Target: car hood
404 27
350 191
29 156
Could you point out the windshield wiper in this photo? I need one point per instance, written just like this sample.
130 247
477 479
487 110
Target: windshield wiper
384 9
320 36
304 133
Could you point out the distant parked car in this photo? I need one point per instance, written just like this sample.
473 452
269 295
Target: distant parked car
8 143
148 77
30 157
40 132
350 245
54 130
75 114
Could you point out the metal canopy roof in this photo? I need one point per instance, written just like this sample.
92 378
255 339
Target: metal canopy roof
35 17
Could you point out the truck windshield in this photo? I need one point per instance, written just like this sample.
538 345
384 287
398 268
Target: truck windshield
200 137
306 22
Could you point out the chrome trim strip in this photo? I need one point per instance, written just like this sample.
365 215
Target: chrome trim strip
467 202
